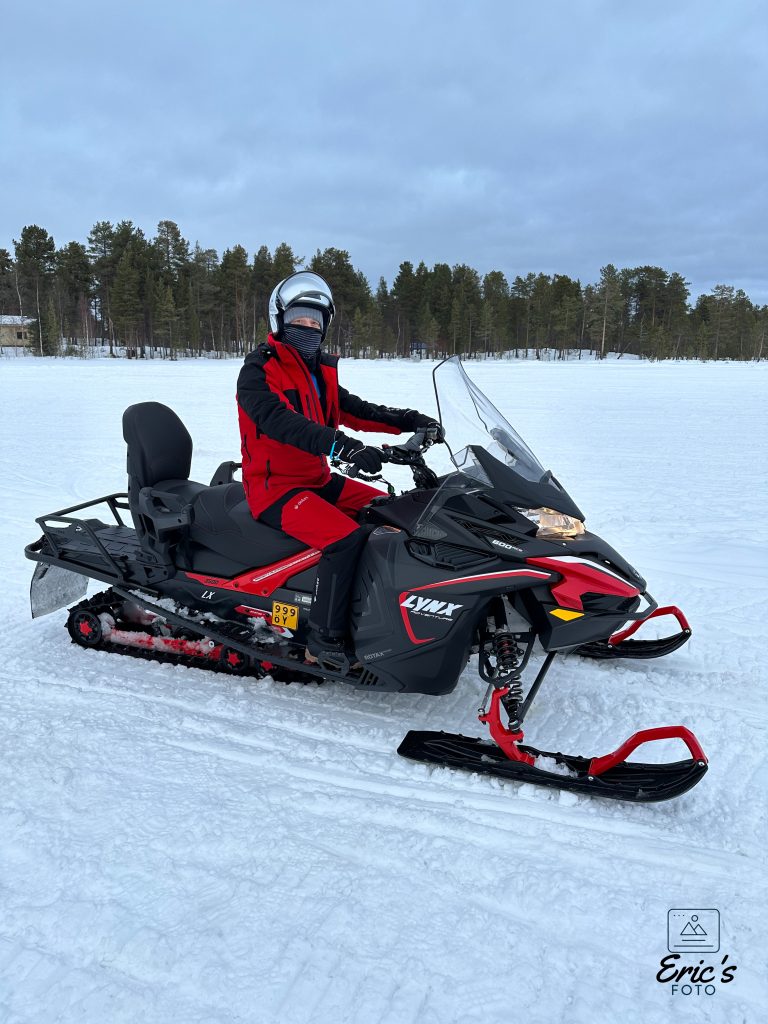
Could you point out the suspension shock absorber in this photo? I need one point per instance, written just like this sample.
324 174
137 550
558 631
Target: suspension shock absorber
509 660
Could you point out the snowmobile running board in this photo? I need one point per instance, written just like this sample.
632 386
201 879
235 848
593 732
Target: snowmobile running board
610 776
619 646
240 639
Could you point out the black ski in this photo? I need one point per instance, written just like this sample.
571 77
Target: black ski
629 780
602 650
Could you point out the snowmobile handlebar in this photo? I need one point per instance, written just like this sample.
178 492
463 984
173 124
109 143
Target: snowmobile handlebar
409 453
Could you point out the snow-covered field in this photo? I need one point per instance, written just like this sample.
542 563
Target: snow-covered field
176 846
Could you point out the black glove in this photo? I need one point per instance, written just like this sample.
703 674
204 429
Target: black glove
358 455
435 432
414 420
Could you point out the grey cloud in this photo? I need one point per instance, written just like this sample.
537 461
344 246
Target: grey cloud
526 136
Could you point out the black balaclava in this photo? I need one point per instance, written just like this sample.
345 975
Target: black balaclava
306 340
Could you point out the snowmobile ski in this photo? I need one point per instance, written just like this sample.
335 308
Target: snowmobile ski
621 780
610 776
619 646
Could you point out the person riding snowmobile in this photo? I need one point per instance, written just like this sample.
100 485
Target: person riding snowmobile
290 407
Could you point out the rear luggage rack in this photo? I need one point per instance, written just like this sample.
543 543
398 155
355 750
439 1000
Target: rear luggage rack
110 552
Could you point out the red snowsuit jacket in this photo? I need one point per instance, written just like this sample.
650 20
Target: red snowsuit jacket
287 429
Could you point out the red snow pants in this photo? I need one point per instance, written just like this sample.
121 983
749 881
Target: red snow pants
324 518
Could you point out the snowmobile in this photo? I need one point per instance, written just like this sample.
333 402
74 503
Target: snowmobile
491 559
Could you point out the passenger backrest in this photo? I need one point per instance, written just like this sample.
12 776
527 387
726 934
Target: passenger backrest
159 445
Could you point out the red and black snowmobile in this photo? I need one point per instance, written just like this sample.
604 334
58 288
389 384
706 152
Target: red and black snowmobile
490 560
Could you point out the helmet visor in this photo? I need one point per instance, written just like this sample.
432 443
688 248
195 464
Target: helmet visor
305 288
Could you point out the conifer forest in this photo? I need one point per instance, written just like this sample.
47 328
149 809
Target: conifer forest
163 297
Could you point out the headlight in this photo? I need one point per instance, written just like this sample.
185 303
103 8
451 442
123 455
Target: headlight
554 524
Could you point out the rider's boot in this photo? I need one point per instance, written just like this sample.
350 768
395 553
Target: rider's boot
330 651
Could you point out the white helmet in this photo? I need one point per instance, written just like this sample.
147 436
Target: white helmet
300 289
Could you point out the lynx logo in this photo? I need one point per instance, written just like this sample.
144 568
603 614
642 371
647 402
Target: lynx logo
428 606
208 595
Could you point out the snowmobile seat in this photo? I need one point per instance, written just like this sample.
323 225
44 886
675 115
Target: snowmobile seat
224 538
212 527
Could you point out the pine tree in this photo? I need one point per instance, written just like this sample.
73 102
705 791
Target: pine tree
358 334
349 288
165 318
542 312
456 327
607 314
676 313
284 262
761 325
440 289
495 312
262 331
35 253
234 297
126 304
428 330
100 246
465 312
521 302
264 280
379 336
203 277
107 246
487 330
405 306
191 322
73 286
386 317
723 318
50 341
8 300
172 250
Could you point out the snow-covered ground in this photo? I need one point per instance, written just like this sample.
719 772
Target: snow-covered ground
178 846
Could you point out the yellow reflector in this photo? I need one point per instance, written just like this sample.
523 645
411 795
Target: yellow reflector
563 613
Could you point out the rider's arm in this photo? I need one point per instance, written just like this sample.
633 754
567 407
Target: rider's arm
273 416
382 419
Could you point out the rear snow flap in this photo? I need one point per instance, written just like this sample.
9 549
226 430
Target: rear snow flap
53 587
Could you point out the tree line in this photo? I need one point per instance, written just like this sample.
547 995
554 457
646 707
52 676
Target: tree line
162 297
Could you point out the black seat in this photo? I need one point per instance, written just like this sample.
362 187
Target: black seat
211 527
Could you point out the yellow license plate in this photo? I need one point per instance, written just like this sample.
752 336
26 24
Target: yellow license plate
285 615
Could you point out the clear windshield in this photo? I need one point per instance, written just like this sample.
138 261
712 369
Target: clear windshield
475 429
470 418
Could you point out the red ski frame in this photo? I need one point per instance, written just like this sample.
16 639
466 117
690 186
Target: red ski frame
508 741
500 734
670 609
598 765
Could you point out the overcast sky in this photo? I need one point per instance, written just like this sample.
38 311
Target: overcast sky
519 135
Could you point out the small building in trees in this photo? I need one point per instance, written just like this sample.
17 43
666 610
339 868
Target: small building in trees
15 330
419 349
